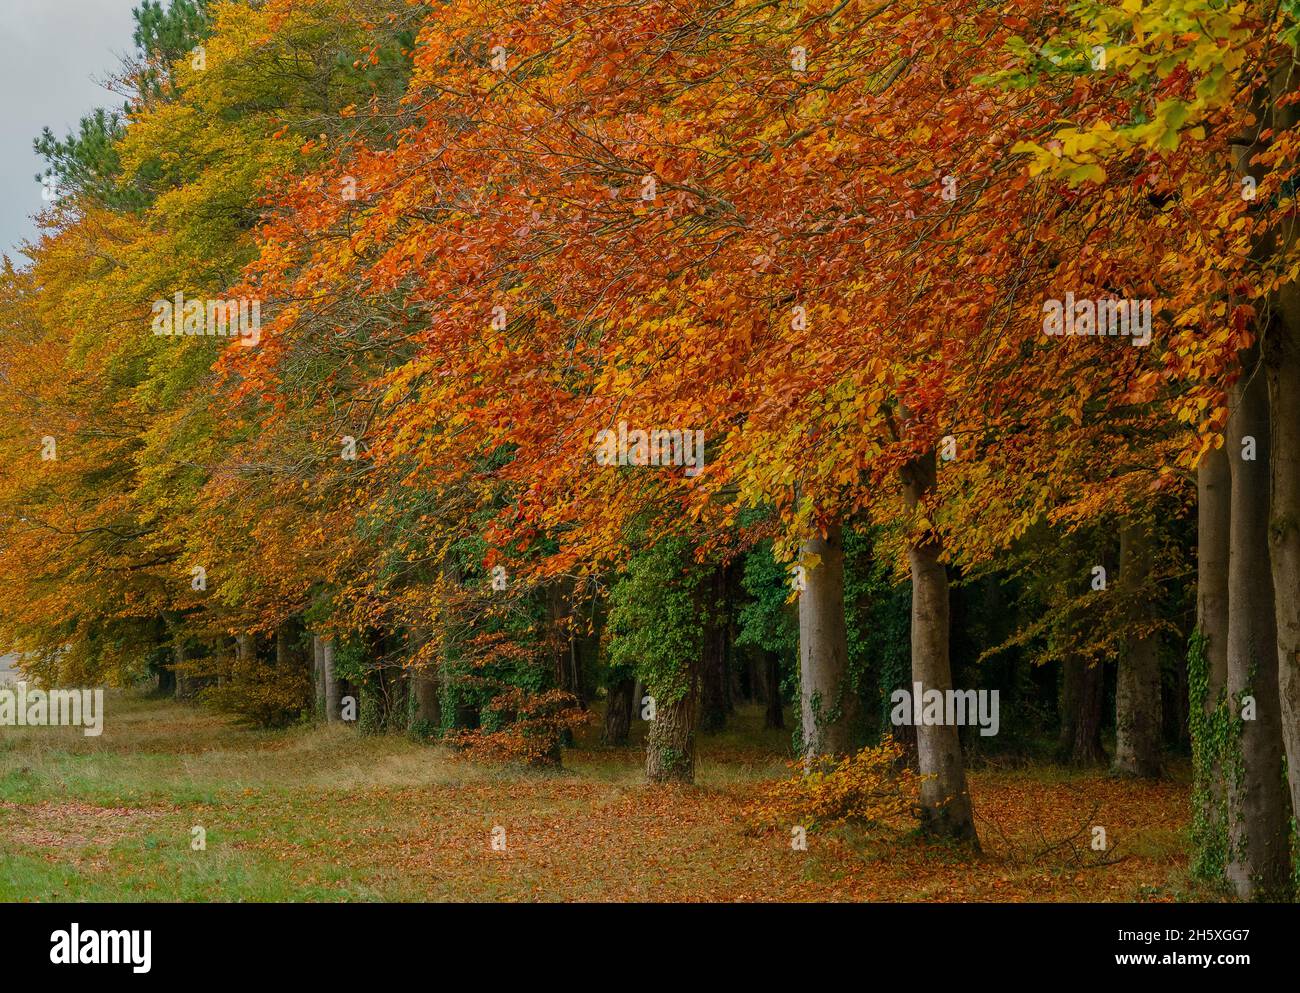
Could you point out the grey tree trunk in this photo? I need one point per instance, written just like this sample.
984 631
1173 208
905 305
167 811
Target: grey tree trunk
829 707
1284 533
945 797
333 686
318 677
1137 692
1259 812
1282 359
1213 521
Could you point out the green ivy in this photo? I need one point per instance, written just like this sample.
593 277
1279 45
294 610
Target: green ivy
878 613
767 621
656 618
1216 754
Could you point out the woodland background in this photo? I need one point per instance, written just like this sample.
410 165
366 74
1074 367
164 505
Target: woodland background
823 233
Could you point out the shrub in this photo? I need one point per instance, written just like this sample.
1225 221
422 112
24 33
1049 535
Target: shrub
260 693
523 727
869 788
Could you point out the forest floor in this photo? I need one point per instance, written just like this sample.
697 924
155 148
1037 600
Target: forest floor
326 814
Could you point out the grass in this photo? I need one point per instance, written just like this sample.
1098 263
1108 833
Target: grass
325 814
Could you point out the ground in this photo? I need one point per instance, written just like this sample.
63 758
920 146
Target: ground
325 814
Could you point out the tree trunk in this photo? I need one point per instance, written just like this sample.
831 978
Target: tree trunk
426 696
1208 659
1086 749
333 685
557 612
318 677
1071 684
618 712
426 711
1259 812
1284 523
1137 694
828 704
564 640
428 705
184 684
774 717
713 706
1082 697
945 797
577 688
670 746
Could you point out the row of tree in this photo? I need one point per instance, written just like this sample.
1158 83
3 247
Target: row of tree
651 347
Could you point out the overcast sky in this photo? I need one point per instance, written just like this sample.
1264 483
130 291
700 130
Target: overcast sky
53 55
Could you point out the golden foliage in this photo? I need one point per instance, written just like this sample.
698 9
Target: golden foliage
872 787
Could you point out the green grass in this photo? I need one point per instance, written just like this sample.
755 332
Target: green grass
283 811
326 814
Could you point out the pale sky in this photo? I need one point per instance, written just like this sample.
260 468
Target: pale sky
53 56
